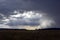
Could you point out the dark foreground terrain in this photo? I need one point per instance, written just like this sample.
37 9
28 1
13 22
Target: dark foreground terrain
9 34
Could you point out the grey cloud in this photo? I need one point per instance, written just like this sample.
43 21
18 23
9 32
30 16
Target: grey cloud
22 22
50 7
9 5
29 18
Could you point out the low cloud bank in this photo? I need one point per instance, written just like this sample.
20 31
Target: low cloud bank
29 20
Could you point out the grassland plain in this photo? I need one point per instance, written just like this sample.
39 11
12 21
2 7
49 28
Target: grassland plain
14 34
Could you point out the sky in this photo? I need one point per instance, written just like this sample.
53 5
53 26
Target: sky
29 14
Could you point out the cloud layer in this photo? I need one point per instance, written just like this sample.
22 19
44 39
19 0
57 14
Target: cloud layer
51 7
30 20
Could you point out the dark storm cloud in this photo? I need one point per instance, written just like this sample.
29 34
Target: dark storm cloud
22 22
11 5
44 5
27 19
51 7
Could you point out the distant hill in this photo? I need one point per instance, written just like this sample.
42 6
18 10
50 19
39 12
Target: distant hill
36 29
51 29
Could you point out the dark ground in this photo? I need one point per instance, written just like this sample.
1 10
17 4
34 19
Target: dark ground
29 35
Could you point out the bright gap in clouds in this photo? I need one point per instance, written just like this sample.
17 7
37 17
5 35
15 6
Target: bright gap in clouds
29 20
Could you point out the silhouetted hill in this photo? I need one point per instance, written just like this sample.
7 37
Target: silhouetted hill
51 29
